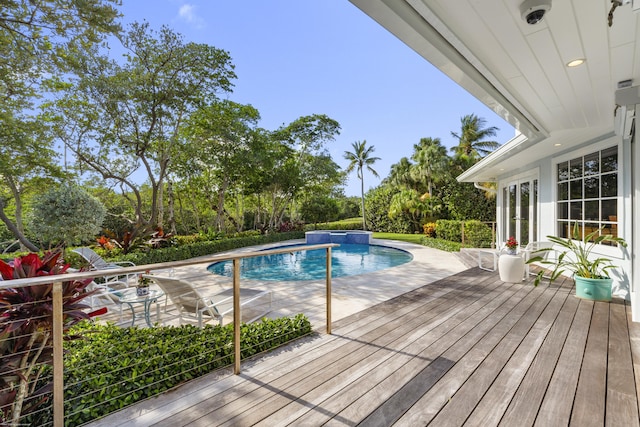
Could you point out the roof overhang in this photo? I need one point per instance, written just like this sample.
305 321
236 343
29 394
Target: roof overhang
521 71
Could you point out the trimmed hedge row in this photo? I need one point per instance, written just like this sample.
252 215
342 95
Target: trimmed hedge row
179 253
476 233
112 367
345 224
443 245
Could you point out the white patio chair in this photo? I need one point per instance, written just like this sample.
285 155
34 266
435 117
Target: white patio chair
190 302
490 254
535 249
107 294
96 262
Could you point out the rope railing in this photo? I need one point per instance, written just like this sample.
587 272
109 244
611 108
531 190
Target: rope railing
81 385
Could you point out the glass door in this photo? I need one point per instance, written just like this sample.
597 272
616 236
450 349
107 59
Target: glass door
520 210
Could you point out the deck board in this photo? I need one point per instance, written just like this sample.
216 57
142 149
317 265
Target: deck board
466 350
523 408
621 404
589 403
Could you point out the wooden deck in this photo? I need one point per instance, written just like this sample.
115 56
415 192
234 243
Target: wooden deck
466 350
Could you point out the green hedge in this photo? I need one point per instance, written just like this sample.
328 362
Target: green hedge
443 245
179 253
345 224
476 233
113 367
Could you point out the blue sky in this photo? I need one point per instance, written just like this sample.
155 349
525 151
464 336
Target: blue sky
300 57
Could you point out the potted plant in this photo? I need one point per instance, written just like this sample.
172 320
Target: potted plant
512 245
142 287
589 273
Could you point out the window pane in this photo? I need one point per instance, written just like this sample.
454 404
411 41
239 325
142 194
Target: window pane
563 227
591 164
591 227
610 159
576 189
591 210
609 185
591 188
512 210
575 210
563 210
610 209
575 168
563 191
563 171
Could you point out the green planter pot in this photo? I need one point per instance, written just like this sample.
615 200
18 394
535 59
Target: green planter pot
593 289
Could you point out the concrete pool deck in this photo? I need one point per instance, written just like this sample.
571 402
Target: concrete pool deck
349 294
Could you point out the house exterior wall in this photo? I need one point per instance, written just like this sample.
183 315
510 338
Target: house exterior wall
547 196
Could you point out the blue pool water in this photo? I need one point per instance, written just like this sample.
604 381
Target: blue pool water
346 260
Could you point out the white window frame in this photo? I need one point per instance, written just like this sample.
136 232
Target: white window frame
609 251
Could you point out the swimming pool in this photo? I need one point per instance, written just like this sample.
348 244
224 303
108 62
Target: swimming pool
346 260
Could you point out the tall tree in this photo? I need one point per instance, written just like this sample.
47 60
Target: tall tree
26 161
359 158
472 142
39 39
400 174
121 118
218 149
431 162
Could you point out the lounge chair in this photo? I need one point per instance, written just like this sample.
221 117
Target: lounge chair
108 294
96 262
190 302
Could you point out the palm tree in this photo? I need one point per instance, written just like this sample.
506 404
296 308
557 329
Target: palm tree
358 159
431 162
471 143
400 174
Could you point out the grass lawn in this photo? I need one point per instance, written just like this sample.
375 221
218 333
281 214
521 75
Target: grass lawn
411 238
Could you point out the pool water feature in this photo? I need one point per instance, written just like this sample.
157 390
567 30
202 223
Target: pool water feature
346 260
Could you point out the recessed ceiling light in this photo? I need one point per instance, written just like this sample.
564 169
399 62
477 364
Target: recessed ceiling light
557 144
576 62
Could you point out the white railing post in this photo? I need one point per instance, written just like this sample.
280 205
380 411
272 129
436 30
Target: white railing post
236 316
329 290
58 360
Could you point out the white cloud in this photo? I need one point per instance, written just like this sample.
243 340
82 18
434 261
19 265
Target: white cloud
187 13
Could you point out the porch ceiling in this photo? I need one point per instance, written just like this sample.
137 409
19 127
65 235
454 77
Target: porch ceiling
519 70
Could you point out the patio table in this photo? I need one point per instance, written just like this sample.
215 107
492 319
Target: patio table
130 298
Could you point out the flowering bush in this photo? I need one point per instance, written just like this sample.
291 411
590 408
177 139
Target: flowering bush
512 243
430 229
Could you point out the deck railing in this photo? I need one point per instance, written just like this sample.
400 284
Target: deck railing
57 332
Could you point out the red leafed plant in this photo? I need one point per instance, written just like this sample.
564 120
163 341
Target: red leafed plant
26 320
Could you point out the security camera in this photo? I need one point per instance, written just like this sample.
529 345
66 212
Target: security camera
533 11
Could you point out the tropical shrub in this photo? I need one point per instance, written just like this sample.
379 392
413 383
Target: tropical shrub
26 324
477 234
67 215
377 206
429 229
131 364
